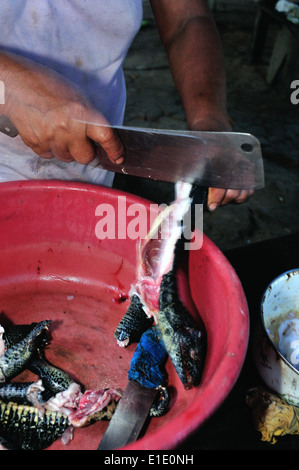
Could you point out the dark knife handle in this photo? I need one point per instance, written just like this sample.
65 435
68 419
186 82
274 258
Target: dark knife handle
199 194
7 127
148 360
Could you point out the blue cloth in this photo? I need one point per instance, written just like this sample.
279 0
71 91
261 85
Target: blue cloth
149 357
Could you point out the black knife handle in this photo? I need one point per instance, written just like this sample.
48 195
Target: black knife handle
199 194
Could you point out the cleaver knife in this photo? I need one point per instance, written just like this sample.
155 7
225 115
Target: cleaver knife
212 159
145 376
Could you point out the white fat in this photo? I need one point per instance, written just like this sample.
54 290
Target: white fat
156 252
66 401
182 190
168 225
288 343
124 343
36 387
33 394
2 343
67 436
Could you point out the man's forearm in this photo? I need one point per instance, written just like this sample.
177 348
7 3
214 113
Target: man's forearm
197 63
17 72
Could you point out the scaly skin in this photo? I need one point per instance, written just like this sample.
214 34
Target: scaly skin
133 324
26 393
160 406
14 334
17 356
183 340
54 380
23 427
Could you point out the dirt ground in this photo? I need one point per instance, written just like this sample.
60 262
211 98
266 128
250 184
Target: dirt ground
254 106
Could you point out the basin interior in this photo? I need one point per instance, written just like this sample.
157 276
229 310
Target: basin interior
54 266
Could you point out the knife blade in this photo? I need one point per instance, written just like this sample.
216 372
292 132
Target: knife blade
145 377
129 417
212 159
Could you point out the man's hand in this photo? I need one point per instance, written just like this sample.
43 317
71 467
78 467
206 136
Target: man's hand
52 117
217 196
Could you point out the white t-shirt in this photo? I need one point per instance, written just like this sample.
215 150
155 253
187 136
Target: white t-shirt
86 41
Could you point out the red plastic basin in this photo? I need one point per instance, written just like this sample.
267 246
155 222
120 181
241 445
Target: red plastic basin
53 265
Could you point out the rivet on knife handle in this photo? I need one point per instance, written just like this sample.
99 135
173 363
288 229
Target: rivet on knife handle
7 127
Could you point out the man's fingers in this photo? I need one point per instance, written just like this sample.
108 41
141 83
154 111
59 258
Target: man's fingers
60 151
230 196
72 138
244 195
83 151
106 137
215 197
220 197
